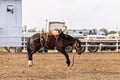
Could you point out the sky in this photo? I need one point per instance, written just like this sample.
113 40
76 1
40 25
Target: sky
78 14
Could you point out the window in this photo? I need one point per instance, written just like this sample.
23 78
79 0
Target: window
10 8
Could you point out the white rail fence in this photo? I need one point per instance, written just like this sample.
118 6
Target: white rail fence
19 42
103 42
14 42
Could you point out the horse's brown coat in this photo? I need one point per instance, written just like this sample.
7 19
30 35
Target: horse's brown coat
60 42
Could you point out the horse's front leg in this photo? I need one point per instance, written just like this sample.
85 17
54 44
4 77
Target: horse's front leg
66 56
67 59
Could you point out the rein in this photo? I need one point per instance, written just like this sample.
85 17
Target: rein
73 60
75 46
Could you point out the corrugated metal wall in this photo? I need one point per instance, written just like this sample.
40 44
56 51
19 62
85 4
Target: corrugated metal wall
10 23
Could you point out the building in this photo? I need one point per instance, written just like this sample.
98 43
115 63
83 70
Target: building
10 23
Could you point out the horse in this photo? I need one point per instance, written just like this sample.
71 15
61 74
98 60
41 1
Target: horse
37 41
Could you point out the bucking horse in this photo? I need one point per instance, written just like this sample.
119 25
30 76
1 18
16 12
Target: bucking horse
59 42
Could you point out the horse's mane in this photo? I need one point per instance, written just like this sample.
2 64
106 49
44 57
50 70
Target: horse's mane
68 40
66 36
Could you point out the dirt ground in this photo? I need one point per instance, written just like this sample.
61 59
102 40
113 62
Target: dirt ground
52 66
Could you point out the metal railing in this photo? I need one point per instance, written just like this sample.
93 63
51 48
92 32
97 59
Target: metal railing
104 42
14 42
8 42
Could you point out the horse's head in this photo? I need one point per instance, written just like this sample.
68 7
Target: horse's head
77 46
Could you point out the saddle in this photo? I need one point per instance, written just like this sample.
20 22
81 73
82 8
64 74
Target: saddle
54 33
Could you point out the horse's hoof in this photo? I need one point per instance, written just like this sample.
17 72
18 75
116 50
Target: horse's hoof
68 65
30 63
78 55
29 66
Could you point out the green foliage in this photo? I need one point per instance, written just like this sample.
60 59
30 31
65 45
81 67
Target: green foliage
119 33
32 30
104 30
24 28
94 31
42 30
112 32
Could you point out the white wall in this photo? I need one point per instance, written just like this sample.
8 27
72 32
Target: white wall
10 23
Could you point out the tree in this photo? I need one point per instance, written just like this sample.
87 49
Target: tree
112 32
104 30
32 30
119 33
94 31
42 31
24 28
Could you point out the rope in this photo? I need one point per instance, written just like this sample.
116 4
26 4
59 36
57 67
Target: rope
73 60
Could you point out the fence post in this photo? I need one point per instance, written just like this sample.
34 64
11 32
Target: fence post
116 44
24 44
100 47
86 44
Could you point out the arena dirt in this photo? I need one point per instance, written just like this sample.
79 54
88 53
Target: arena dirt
52 66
